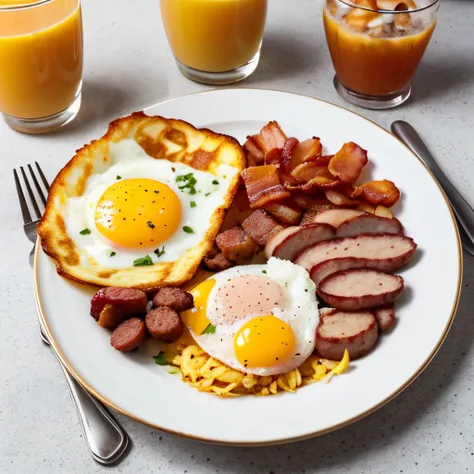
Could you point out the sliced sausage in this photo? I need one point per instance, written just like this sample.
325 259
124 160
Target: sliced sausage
339 330
289 242
352 290
235 244
369 224
334 217
129 301
217 262
385 317
396 250
175 298
128 335
164 324
110 317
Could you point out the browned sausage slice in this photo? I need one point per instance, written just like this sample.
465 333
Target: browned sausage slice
128 335
369 224
217 262
289 242
352 290
385 317
128 300
334 217
110 317
338 330
395 249
175 298
164 324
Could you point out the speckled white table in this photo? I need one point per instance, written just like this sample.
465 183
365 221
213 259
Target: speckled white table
429 428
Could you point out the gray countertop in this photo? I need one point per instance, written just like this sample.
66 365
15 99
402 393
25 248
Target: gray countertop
429 428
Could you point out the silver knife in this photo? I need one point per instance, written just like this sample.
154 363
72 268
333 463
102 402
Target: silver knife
462 210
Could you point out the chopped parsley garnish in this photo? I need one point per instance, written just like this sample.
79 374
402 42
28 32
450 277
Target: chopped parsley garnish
188 183
192 203
215 182
160 359
224 176
112 254
173 371
264 271
211 329
207 194
85 232
119 177
188 230
150 225
143 261
159 252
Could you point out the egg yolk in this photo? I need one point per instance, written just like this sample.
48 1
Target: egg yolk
196 318
264 341
138 213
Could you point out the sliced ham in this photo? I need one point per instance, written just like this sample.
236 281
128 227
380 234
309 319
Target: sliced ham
353 290
334 217
287 243
385 317
260 226
369 224
339 330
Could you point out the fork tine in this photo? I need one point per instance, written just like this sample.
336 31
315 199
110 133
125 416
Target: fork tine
21 197
40 171
30 192
38 187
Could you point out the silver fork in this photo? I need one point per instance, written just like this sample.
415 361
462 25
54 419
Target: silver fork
106 439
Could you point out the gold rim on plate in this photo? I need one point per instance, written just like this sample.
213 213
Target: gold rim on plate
367 412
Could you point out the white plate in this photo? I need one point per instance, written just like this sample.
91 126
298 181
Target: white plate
137 387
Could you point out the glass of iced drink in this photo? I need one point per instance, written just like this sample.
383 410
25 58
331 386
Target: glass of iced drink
376 46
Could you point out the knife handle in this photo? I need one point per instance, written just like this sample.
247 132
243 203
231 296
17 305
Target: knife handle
464 212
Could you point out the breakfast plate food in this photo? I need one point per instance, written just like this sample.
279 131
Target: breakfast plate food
236 291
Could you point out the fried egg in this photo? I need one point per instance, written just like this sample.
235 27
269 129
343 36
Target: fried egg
259 319
140 207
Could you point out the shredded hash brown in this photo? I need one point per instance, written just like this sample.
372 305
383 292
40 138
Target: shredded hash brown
207 374
161 138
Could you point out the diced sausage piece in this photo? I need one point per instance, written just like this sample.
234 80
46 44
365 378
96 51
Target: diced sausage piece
164 324
259 225
175 298
235 244
334 217
396 250
217 262
352 290
128 300
385 317
339 330
369 224
288 243
110 317
128 335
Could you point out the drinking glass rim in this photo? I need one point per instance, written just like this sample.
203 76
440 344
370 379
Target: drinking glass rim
393 12
26 6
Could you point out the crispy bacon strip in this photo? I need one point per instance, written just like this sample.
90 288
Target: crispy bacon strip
316 184
259 226
235 244
271 136
255 155
339 199
284 212
263 185
305 172
348 162
308 150
273 157
378 193
238 211
306 201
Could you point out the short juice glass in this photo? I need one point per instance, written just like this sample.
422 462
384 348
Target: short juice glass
376 46
41 57
215 41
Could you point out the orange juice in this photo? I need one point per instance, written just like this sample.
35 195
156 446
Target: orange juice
40 57
214 35
374 66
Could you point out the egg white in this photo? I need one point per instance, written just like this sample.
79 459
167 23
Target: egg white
300 312
129 160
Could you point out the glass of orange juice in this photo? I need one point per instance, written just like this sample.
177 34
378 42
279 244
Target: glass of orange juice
215 41
376 46
41 56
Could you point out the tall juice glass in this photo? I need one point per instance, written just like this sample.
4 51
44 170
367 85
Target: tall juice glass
376 46
215 41
41 57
